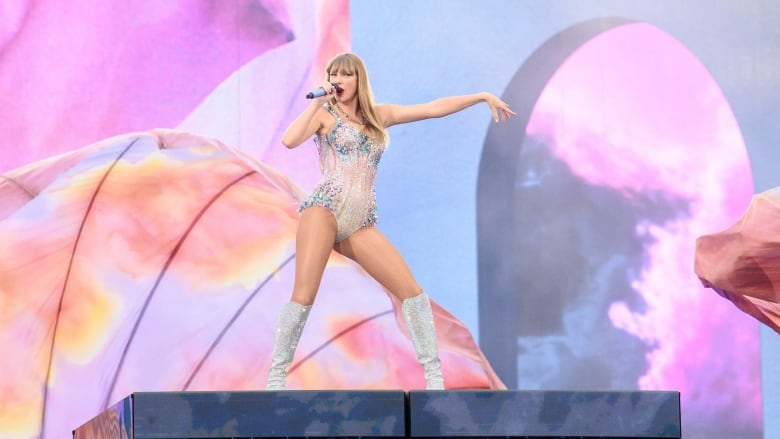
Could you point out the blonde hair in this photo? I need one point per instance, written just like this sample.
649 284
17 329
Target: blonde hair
352 63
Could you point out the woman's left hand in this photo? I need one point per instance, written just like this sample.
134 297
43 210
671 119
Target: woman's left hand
499 108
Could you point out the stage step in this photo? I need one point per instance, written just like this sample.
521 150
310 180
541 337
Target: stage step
388 414
544 414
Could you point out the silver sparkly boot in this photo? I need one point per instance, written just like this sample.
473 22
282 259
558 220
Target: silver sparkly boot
419 320
292 318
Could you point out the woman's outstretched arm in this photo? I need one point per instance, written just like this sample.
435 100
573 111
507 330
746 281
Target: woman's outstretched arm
393 114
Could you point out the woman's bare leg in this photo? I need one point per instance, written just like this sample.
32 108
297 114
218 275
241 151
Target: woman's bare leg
313 244
377 255
369 248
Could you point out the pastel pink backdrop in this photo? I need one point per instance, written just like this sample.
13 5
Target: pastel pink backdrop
159 261
73 73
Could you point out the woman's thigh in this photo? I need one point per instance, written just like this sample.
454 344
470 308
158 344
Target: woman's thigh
374 252
313 245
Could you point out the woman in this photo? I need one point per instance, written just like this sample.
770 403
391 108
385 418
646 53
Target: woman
340 213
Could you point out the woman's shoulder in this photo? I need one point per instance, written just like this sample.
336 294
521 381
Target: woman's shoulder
384 113
382 109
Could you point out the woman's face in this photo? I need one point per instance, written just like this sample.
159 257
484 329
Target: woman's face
346 80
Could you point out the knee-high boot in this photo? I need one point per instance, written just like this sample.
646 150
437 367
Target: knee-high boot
419 320
291 322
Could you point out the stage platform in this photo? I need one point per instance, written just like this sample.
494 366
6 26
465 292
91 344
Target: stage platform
389 414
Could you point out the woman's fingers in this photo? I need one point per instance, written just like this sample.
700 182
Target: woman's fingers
506 112
500 109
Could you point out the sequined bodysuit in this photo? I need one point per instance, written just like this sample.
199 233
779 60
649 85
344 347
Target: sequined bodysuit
348 161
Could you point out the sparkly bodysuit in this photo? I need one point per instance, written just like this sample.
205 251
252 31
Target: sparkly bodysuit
348 161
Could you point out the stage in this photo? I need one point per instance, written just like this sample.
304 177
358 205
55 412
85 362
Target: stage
389 414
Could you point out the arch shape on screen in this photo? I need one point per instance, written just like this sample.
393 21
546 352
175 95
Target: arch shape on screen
588 209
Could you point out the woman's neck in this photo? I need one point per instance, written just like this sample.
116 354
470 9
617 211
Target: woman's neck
350 106
351 114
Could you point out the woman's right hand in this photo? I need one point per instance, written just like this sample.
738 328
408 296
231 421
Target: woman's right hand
307 123
329 91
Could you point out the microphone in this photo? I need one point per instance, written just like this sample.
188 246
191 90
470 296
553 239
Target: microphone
321 92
